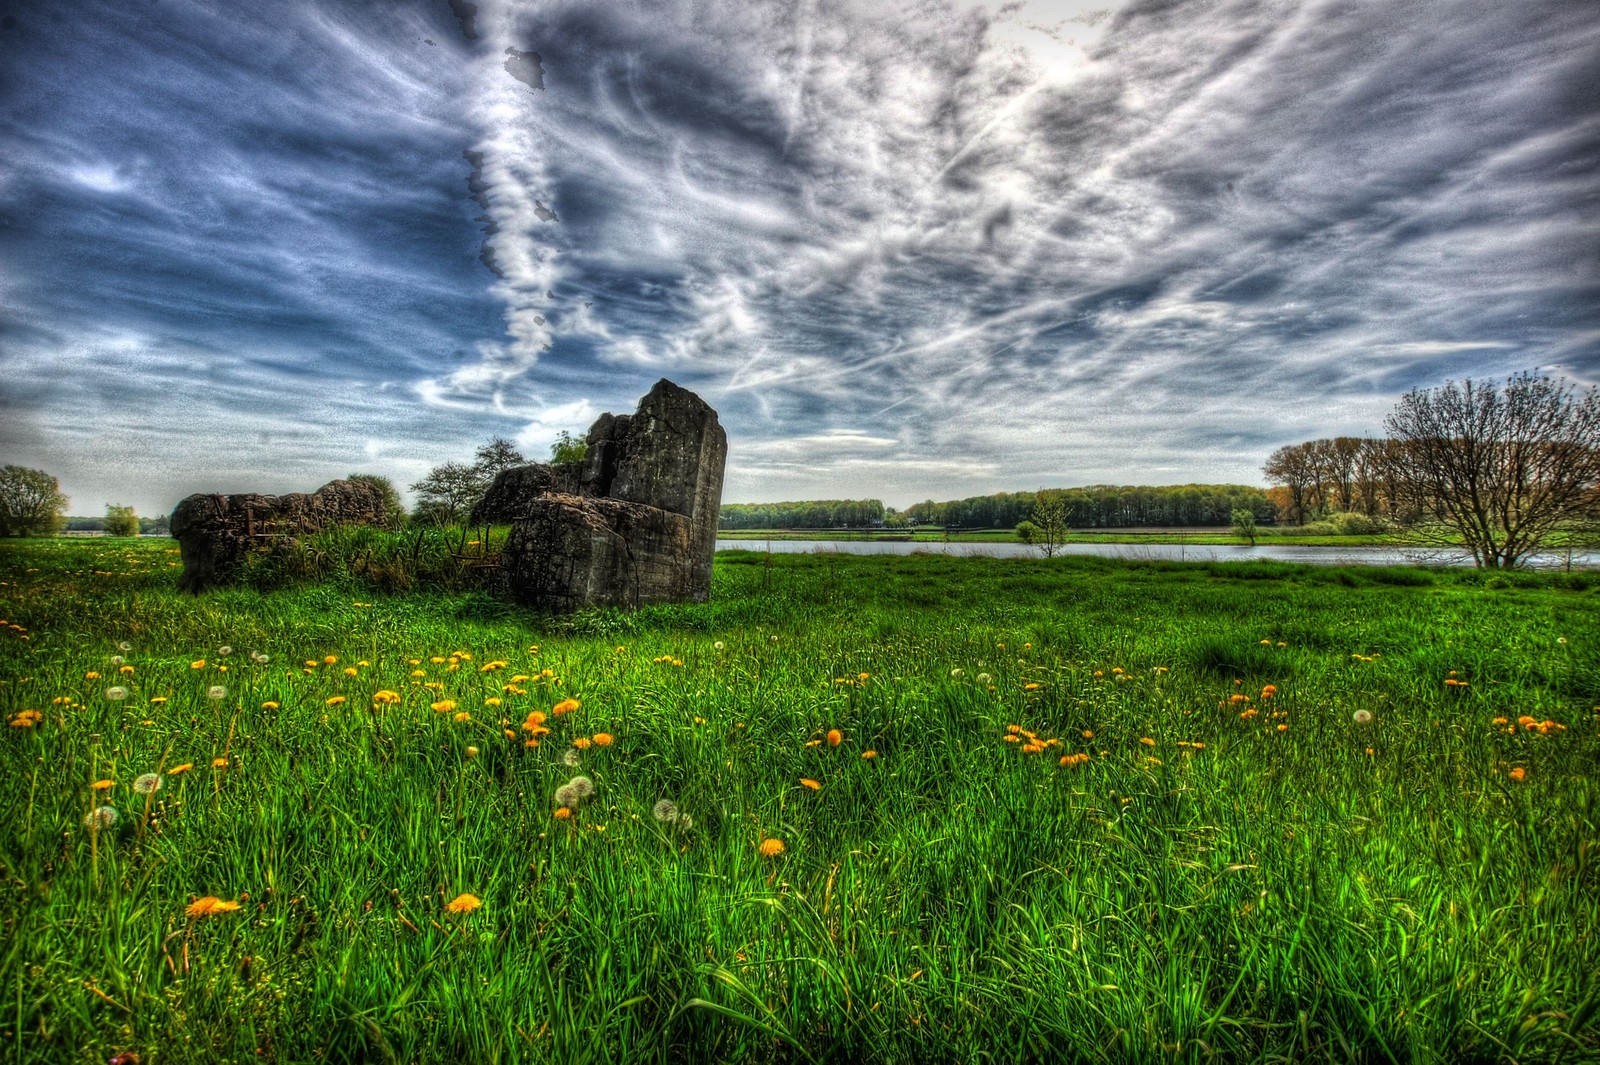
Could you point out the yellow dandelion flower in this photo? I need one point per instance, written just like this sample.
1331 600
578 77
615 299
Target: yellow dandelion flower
493 700
268 705
1147 741
582 743
565 706
103 785
835 737
463 716
385 697
1518 773
219 763
869 754
184 768
198 663
463 903
330 660
336 700
812 784
603 739
771 848
443 706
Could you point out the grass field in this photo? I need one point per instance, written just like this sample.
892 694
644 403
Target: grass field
1075 810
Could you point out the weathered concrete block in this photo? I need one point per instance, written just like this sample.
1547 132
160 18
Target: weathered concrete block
578 551
214 532
510 498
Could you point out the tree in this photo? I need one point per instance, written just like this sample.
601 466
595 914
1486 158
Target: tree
497 455
1290 467
31 502
567 450
394 510
446 495
121 521
1049 520
1499 467
1244 523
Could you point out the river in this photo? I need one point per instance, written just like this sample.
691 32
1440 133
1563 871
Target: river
1322 556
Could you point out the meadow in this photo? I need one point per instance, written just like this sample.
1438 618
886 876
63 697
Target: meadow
854 808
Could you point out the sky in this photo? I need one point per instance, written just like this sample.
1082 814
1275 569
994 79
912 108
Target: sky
911 250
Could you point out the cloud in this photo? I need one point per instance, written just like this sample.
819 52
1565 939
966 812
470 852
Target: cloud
908 252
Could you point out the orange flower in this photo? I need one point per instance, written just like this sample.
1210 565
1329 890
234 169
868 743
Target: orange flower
603 739
869 754
562 813
337 700
771 848
103 785
1147 741
385 697
219 763
565 706
812 784
463 716
1518 773
582 743
1269 691
463 903
207 905
835 737
184 768
1030 687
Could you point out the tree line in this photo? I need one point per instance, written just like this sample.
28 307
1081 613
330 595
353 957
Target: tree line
1103 506
806 514
1493 468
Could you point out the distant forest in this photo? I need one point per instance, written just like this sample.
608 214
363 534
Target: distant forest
1097 507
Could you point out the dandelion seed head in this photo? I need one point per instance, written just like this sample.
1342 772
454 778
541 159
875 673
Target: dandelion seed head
567 796
1361 717
582 785
147 783
216 692
117 660
117 693
719 645
224 650
124 646
666 811
100 819
571 758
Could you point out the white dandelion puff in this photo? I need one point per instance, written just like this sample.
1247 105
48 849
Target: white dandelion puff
984 678
719 645
147 783
1361 717
124 646
100 819
567 796
685 822
216 692
571 758
666 811
224 650
582 785
957 673
117 660
117 693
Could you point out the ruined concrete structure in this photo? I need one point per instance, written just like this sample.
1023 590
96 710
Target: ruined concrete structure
214 532
635 524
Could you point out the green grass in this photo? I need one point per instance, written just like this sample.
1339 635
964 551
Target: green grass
1229 892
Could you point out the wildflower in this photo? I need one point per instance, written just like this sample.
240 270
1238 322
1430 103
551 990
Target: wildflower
219 763
100 819
1032 686
956 674
147 783
984 678
184 768
869 754
198 663
331 659
351 671
666 811
1369 750
862 676
337 700
493 700
562 813
1269 691
1147 741
1266 643
583 786
385 697
117 694
603 739
442 706
216 692
812 784
565 706
125 670
582 743
103 785
91 676
571 758
207 905
771 848
117 660
268 705
463 904
462 715
1518 773
1098 673
224 650
1361 717
472 752
124 646
719 645
835 737
1283 728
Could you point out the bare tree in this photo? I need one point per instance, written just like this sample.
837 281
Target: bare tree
1499 467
